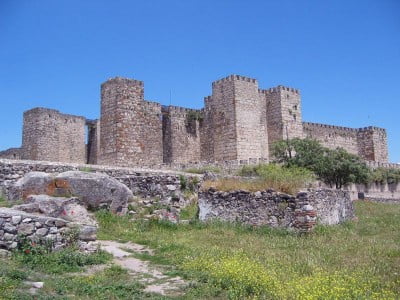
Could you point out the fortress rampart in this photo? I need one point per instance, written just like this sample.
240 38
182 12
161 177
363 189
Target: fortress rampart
239 123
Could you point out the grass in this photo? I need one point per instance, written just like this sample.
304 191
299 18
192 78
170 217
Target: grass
5 203
262 177
202 170
355 260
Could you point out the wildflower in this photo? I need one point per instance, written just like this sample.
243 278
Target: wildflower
27 251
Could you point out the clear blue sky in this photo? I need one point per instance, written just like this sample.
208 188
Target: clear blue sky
344 56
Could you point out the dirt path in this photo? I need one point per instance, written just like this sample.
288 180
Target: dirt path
151 276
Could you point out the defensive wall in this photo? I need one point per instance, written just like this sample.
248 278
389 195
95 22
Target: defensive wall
370 143
239 123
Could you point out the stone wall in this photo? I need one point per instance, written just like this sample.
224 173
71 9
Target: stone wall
12 153
53 136
144 183
93 141
370 143
181 134
15 223
333 136
276 209
131 129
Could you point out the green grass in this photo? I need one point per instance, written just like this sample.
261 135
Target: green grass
355 260
202 170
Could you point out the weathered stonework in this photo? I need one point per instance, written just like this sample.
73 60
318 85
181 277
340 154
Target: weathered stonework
269 208
370 143
238 124
131 129
15 224
53 136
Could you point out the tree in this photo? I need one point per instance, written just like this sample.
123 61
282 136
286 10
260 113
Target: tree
305 153
338 167
334 167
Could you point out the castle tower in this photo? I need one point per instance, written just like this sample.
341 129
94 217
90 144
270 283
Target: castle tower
52 136
237 115
131 130
283 113
372 144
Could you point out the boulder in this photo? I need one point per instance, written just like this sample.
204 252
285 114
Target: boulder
94 190
97 190
33 183
68 209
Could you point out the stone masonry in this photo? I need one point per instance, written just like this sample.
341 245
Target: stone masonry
238 124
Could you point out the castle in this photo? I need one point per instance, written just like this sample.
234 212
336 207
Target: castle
239 123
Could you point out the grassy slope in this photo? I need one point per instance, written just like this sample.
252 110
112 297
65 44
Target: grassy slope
349 261
368 248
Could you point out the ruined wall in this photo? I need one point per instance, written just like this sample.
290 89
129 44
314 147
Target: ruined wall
165 186
181 134
276 209
131 130
283 113
12 153
53 136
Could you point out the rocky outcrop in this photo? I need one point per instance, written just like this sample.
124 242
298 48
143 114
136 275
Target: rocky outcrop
17 224
275 209
93 190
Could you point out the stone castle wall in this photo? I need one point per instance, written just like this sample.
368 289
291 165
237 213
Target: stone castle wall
181 134
238 123
370 143
51 135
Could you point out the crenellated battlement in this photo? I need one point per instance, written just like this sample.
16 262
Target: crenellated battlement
179 111
373 128
278 89
341 128
122 80
234 78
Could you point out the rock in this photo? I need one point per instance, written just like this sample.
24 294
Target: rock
26 229
37 285
8 237
42 232
26 220
68 209
33 183
95 189
15 220
4 253
87 233
9 228
171 187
